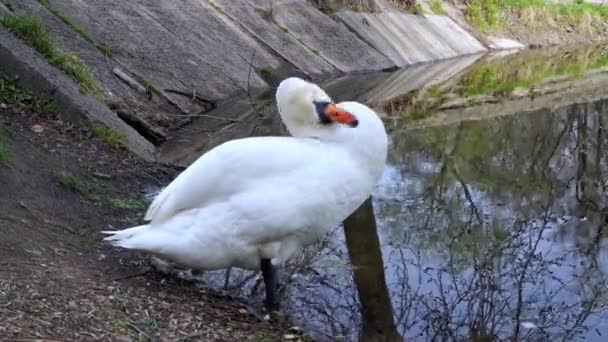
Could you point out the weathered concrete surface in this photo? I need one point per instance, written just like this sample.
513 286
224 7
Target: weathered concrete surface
378 89
16 58
408 39
407 80
240 120
328 38
504 43
374 88
153 116
257 17
173 44
4 10
169 62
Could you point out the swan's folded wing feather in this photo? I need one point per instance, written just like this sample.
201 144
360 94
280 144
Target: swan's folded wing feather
228 169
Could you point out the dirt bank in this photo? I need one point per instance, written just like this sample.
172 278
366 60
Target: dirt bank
58 189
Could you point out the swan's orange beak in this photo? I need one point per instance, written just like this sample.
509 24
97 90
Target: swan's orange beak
338 114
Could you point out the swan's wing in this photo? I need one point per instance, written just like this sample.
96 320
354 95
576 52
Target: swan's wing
228 169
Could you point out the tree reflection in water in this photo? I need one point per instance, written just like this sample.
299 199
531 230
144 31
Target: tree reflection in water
489 230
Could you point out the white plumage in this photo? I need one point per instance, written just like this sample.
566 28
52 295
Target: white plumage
265 197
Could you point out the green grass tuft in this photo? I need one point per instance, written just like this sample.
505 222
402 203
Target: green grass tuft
31 30
6 154
326 6
266 73
268 14
80 30
106 50
500 78
74 183
131 204
11 93
417 9
112 138
437 7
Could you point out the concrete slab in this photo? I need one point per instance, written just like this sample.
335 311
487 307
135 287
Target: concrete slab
329 38
4 10
244 121
185 44
257 18
408 39
404 81
17 58
154 115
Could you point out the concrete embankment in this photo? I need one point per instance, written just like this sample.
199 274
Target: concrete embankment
160 64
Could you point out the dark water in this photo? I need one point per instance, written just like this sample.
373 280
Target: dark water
491 214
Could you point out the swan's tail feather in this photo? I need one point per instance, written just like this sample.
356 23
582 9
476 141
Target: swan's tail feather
157 203
125 238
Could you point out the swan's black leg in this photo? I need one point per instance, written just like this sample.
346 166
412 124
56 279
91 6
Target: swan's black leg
270 282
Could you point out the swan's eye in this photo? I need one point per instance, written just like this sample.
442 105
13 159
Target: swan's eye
321 109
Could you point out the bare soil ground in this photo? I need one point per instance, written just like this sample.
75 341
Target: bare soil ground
59 281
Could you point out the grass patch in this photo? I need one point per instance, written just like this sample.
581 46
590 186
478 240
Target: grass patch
263 103
109 136
93 190
498 79
417 9
106 50
6 154
326 6
265 73
262 337
79 29
488 15
216 6
131 204
268 14
437 7
67 21
284 29
75 184
11 93
501 77
31 30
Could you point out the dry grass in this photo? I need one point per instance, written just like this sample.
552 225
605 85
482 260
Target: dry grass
488 15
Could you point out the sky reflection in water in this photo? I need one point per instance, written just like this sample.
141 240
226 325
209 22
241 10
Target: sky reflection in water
489 228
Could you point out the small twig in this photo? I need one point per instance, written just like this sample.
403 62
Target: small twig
123 76
132 275
101 175
138 330
251 102
200 115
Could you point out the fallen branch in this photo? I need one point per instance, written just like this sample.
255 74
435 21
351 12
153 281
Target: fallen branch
201 115
123 76
132 275
192 96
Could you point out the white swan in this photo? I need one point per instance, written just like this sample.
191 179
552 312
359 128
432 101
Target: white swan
252 202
